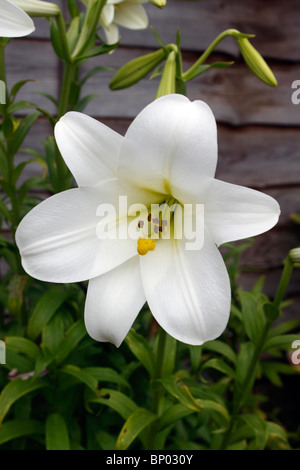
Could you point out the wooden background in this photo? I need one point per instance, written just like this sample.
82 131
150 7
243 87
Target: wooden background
258 126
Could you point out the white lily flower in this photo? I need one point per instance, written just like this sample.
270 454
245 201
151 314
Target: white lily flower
129 14
169 151
14 22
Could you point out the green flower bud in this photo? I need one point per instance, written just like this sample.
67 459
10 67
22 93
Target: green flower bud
136 69
159 3
256 62
167 84
295 255
37 7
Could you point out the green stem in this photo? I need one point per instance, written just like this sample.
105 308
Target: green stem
89 27
229 32
63 36
157 388
69 70
284 281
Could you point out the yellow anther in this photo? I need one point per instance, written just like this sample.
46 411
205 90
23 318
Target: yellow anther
144 245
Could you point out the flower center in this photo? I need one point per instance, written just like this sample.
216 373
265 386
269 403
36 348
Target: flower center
157 225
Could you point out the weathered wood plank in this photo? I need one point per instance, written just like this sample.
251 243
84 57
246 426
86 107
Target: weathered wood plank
236 96
36 61
275 24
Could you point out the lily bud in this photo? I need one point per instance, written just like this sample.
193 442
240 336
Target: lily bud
167 84
159 3
256 62
136 69
295 255
37 8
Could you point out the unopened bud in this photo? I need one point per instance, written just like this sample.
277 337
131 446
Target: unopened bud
159 3
135 70
256 62
167 84
295 255
37 8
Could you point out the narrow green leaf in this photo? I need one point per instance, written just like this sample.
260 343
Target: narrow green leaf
15 390
21 132
80 375
134 425
141 349
219 365
45 309
259 429
23 345
116 401
281 341
18 428
219 347
57 436
173 415
73 336
253 317
105 374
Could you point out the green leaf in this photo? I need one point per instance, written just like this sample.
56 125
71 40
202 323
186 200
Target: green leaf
23 345
259 428
45 309
219 365
105 374
18 428
173 415
219 347
281 341
73 336
253 317
57 436
83 102
80 375
203 67
21 132
55 39
181 392
15 390
277 437
134 425
141 349
116 401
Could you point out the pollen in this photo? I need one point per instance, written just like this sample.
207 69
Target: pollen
144 245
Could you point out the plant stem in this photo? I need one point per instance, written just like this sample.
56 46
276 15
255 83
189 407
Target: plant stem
209 50
157 388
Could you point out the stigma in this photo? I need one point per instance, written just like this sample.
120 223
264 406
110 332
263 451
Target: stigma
144 245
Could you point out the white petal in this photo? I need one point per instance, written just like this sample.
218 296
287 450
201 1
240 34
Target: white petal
107 15
234 212
171 147
111 33
14 22
113 302
59 240
188 292
89 148
131 16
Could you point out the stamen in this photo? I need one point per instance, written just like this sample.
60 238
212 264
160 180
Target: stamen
144 245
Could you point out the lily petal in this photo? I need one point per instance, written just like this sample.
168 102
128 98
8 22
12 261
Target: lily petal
89 148
235 212
171 147
131 16
14 22
188 292
113 302
60 239
111 33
